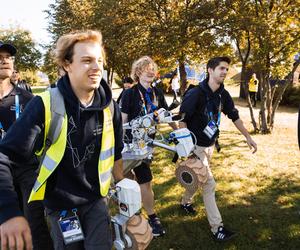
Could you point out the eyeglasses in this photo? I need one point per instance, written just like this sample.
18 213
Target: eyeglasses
7 58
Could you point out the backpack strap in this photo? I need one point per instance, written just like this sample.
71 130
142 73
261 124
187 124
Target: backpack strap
58 111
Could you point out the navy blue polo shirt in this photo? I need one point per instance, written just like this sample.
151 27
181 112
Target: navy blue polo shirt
8 106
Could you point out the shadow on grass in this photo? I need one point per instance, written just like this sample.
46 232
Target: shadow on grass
267 219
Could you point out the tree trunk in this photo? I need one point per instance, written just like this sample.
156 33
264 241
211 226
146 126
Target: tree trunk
262 114
289 80
244 59
112 76
243 83
108 79
182 73
253 121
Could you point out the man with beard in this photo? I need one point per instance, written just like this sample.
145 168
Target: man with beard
201 109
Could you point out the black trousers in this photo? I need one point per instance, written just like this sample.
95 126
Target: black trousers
35 214
253 98
95 223
175 94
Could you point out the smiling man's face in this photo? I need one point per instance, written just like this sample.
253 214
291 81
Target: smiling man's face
86 69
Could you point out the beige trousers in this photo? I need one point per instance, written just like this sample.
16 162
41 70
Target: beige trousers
208 190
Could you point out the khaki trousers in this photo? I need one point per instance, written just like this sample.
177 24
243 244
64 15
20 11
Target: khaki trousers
208 190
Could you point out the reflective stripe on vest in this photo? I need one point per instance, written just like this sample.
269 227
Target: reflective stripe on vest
56 151
107 153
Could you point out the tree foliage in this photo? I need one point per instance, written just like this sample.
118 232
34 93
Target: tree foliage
28 57
262 34
266 35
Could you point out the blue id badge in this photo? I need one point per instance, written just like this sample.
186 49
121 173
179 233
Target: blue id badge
71 229
211 129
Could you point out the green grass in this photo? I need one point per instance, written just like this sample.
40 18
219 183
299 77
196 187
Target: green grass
39 89
258 194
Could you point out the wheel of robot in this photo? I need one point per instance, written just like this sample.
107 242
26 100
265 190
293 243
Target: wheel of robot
191 173
139 231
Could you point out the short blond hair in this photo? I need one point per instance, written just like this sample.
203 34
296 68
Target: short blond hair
64 50
139 66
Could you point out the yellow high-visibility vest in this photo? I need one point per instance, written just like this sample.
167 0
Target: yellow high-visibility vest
55 152
252 86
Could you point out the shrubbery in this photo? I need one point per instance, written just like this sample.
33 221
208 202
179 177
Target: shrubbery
291 96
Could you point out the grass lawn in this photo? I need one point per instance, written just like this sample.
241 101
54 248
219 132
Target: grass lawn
258 194
38 89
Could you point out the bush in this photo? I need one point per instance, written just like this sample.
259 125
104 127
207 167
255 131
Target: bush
291 96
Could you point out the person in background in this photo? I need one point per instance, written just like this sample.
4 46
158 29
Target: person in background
15 79
127 84
175 86
12 104
253 88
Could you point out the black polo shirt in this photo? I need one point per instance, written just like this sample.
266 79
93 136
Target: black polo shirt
196 104
8 106
132 103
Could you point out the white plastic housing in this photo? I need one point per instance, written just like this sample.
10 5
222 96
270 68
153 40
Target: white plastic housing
129 197
185 145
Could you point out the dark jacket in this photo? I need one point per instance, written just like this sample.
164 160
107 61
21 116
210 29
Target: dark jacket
120 96
197 104
75 181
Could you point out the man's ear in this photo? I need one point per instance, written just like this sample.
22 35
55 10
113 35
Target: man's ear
209 70
66 66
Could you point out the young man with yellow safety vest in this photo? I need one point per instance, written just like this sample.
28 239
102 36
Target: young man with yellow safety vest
75 171
253 88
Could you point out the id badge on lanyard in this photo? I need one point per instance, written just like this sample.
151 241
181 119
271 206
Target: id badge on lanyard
70 227
212 127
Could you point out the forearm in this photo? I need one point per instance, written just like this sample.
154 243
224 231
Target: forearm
124 120
173 125
182 125
118 170
240 126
